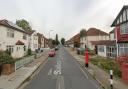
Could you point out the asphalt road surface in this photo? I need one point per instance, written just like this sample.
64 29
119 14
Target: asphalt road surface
62 72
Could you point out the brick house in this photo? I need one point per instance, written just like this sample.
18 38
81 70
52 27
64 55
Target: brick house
41 40
74 41
121 30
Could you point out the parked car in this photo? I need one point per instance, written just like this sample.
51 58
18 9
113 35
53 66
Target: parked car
51 53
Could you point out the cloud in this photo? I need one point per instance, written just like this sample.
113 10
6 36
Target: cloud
65 17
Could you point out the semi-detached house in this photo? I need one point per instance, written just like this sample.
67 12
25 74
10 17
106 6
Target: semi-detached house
13 39
93 34
33 40
121 30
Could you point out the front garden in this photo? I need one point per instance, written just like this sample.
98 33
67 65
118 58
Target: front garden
107 65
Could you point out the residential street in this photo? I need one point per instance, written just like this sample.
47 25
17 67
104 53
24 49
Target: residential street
62 72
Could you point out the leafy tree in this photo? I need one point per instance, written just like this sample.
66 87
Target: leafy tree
53 42
24 24
62 41
56 39
82 33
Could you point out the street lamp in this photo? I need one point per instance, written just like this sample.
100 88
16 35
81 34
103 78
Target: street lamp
49 37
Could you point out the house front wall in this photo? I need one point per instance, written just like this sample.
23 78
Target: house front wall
102 50
42 41
18 51
11 41
34 41
94 38
112 36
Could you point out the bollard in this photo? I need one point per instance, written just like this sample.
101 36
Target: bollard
86 58
111 79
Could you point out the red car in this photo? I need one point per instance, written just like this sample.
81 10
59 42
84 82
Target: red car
51 53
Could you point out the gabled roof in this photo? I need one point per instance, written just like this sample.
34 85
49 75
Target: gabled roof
112 31
104 42
11 25
114 22
19 43
96 32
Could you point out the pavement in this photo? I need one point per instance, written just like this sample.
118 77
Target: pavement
14 80
100 75
62 72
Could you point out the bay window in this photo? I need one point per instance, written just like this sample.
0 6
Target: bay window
123 48
124 28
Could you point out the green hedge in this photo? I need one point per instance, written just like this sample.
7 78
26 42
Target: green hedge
5 58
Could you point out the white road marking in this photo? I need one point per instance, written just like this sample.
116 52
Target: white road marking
50 72
60 83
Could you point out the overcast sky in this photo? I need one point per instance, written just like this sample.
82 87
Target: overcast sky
65 17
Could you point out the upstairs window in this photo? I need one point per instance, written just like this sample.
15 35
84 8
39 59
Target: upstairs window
10 33
124 28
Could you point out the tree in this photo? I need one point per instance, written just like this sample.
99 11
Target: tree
62 41
56 39
53 42
82 33
24 24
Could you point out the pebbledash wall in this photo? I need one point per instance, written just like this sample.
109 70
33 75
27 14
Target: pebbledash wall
6 41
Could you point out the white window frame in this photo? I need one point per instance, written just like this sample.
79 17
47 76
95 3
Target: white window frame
10 33
111 52
124 28
101 48
10 48
123 48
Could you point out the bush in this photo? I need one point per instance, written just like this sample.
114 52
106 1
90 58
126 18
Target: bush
107 65
5 58
8 52
29 52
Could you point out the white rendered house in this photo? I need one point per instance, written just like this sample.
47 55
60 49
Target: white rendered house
33 40
93 34
13 39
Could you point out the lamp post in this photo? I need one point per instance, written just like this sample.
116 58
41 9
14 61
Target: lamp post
49 37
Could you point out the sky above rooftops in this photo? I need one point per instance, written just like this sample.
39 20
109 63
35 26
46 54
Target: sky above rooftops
65 17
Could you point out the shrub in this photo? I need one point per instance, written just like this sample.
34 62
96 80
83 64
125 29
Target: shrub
29 52
8 52
107 65
5 58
